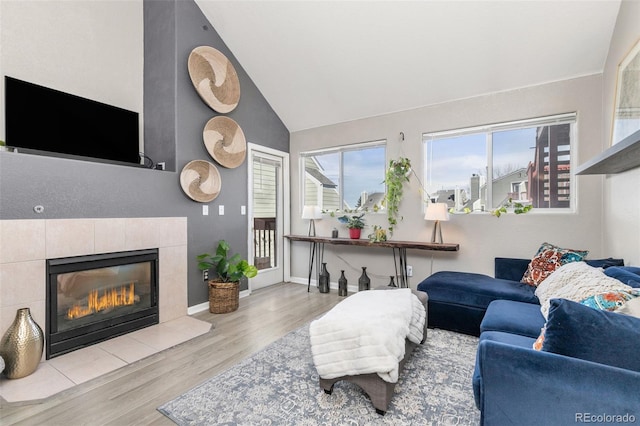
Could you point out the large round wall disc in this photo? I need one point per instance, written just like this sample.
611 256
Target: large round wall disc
214 78
225 141
200 180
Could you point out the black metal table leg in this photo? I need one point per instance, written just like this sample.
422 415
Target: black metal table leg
312 252
319 260
400 265
403 267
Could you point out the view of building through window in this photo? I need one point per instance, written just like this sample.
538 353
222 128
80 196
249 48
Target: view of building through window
528 162
349 177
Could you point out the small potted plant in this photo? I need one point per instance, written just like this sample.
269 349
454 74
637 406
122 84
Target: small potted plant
354 223
224 290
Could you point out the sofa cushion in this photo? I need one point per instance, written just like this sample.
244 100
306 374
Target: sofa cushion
497 336
575 281
508 316
629 275
581 332
548 258
513 269
508 268
477 290
605 263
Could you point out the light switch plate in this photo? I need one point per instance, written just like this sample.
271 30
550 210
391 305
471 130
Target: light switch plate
221 210
205 210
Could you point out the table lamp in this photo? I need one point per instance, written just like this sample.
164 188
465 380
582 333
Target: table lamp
436 212
312 213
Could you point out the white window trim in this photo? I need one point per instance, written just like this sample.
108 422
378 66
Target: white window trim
565 118
331 150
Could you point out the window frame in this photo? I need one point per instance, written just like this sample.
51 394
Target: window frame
340 149
488 130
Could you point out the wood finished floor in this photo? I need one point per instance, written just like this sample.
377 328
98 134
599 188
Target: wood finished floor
130 395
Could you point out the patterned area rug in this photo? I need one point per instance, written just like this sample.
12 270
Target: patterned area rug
279 386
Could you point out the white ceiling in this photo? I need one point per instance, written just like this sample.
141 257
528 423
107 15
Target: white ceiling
324 62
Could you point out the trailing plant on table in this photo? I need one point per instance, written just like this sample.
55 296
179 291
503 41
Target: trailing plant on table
228 269
396 176
518 208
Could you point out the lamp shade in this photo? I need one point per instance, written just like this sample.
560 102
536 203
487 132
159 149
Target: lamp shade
437 211
311 212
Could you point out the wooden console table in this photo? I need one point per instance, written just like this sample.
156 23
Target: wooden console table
399 249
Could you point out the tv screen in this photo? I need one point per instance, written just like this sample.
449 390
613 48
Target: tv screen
49 121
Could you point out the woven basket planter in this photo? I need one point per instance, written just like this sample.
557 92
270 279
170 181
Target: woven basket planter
223 297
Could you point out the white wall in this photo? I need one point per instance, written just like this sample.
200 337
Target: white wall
622 191
89 48
481 236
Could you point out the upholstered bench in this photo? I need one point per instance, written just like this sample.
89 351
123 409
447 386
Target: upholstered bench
380 391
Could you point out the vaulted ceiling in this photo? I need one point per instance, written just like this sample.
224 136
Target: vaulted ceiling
323 62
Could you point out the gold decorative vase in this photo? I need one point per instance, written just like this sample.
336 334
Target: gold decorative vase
21 346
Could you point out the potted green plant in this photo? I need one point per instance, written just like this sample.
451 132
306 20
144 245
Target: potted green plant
396 176
224 290
354 223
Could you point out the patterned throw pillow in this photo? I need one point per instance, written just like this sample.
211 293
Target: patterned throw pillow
537 345
610 300
548 259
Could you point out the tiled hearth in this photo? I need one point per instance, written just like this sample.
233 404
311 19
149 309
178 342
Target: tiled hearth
66 371
26 244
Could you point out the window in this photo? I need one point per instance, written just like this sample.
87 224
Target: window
527 161
347 177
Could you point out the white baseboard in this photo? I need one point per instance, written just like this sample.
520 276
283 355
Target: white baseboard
197 308
332 285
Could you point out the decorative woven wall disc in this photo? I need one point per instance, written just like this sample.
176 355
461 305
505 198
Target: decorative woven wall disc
214 78
225 141
200 180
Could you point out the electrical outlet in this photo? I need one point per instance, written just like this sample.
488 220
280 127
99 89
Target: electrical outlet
205 275
409 270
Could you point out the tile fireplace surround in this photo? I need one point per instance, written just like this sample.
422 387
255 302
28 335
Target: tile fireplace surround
26 244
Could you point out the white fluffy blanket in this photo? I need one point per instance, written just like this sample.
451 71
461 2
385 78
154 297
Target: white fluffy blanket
366 332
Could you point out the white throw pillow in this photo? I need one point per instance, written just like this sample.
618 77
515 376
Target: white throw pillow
575 281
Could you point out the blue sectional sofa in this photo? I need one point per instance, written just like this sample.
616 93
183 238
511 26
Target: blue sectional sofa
588 370
459 300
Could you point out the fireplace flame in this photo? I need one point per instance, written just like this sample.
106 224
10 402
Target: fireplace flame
111 298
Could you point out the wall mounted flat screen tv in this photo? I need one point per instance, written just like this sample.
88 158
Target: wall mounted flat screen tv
41 120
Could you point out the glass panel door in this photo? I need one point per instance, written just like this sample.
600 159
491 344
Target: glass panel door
266 216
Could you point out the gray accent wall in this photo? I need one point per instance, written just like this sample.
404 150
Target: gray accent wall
174 118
